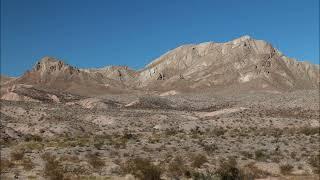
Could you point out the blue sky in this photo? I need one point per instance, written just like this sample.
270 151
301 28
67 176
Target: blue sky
97 33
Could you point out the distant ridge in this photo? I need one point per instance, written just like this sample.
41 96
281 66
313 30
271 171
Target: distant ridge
239 65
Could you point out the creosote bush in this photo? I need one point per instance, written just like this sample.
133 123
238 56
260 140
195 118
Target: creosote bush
5 164
314 161
95 160
198 160
286 168
228 170
53 169
177 167
142 169
17 154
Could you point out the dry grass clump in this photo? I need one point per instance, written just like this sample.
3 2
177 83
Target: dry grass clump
53 169
17 154
309 131
177 168
95 161
228 170
216 132
5 164
250 171
314 161
198 160
142 169
27 164
153 102
286 168
261 155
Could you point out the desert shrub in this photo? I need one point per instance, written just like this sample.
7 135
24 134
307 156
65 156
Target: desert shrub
204 176
216 132
154 102
5 164
246 154
210 148
198 160
27 164
154 138
308 131
98 144
31 137
142 169
228 170
95 160
52 169
171 132
17 154
286 168
250 171
70 158
314 161
33 145
177 168
261 155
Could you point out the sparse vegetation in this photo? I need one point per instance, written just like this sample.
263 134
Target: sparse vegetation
27 164
198 160
286 168
172 143
142 169
228 170
17 154
95 160
177 167
5 164
261 155
53 169
314 161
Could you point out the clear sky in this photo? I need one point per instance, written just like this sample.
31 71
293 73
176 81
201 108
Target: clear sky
97 33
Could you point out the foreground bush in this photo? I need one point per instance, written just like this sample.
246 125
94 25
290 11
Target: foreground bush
52 170
142 169
228 170
198 160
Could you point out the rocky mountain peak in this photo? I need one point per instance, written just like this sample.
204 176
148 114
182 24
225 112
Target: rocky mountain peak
50 65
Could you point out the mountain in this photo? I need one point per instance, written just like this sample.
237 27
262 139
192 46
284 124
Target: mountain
243 64
51 73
